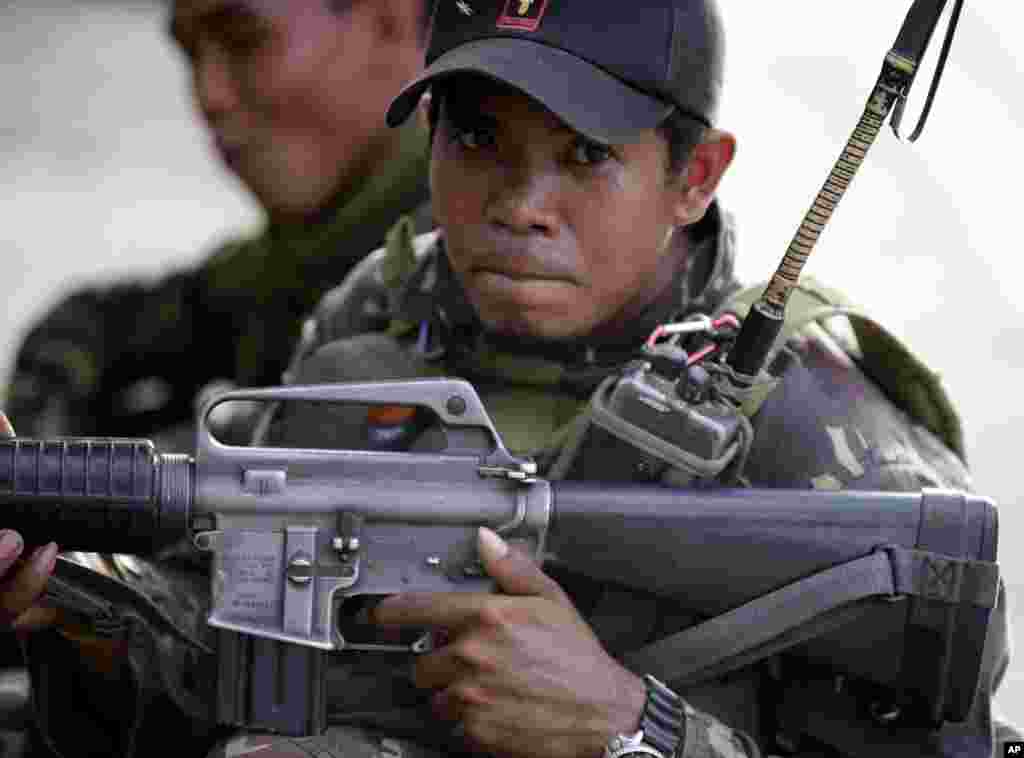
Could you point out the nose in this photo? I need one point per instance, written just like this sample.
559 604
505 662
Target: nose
213 84
526 202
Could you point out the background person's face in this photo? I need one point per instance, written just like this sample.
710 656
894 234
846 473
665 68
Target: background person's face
293 93
551 235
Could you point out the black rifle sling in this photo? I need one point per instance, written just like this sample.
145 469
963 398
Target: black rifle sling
945 633
939 577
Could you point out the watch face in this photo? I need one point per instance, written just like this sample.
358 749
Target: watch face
631 746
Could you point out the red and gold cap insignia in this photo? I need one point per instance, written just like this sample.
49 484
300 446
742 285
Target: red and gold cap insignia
522 15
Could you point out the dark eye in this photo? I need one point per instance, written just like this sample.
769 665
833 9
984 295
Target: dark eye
242 39
185 41
472 137
189 49
589 153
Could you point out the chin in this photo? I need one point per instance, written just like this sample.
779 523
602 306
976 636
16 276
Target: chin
286 195
544 318
538 329
292 208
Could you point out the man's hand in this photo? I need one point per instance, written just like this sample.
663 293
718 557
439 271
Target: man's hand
22 582
523 672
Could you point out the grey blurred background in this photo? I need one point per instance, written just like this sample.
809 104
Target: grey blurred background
107 173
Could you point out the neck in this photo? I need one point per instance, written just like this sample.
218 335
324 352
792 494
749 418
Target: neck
639 314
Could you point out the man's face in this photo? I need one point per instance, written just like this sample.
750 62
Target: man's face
550 234
293 92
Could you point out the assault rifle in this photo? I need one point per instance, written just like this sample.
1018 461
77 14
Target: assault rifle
299 537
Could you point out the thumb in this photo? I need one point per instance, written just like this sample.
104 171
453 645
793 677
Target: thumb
6 430
515 572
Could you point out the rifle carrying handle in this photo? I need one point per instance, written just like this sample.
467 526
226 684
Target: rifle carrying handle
94 495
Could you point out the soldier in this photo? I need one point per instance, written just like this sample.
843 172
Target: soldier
293 94
574 167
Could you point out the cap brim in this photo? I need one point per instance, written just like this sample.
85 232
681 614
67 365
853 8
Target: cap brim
591 101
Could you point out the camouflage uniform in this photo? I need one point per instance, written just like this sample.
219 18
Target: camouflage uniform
838 428
131 358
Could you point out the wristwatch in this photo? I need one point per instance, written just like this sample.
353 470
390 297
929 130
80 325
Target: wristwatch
662 726
629 746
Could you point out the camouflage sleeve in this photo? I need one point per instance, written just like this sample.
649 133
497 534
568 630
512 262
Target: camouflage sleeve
707 737
123 359
842 432
84 367
109 681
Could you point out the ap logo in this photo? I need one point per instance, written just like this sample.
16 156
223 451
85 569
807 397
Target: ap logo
1013 748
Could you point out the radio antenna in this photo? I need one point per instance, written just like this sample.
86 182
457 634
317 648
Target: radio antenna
762 325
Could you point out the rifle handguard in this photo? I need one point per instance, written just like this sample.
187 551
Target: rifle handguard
96 495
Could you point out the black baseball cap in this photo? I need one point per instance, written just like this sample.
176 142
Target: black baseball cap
608 68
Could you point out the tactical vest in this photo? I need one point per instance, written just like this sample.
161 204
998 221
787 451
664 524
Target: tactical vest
514 383
534 412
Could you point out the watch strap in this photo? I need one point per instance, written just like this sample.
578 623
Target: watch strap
663 721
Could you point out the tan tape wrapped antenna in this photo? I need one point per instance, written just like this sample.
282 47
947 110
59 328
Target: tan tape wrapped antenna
762 324
839 179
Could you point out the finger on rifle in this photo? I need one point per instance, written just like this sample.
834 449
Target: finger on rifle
38 617
447 706
21 590
516 572
440 668
451 610
6 430
11 548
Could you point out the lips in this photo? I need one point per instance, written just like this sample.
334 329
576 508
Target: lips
521 276
499 291
524 265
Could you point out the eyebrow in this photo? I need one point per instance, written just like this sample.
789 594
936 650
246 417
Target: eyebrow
479 117
473 116
222 16
560 127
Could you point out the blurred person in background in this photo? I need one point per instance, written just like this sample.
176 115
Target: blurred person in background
293 93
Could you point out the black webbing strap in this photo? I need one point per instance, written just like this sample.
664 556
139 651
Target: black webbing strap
913 42
810 607
944 639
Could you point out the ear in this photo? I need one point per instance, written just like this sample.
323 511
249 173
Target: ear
423 111
708 162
